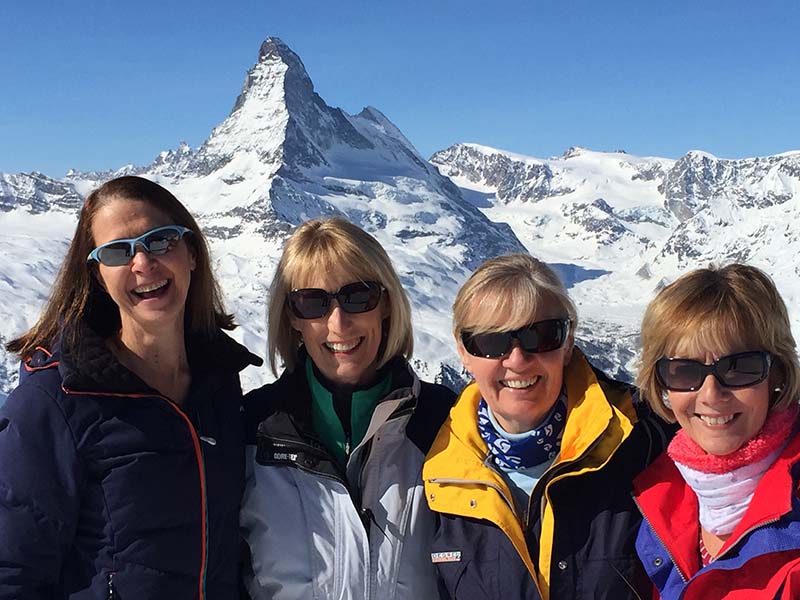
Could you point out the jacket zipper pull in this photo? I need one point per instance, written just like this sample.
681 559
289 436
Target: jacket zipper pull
209 440
112 592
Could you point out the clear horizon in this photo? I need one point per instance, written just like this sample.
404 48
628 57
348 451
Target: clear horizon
97 86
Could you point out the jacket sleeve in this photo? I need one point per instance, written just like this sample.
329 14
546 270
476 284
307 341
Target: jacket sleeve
39 493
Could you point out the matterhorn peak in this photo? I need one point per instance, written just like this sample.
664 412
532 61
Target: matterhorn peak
274 46
275 53
278 68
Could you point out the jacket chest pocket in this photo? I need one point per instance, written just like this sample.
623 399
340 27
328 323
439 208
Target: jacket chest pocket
476 560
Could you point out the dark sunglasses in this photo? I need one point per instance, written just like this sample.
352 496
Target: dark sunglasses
542 336
353 298
734 371
157 241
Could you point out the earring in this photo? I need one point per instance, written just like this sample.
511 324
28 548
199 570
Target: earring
665 400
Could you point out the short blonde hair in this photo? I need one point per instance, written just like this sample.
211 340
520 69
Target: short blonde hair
708 310
513 286
335 245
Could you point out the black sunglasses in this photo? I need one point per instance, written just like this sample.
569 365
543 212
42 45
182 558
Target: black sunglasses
158 242
353 298
733 371
542 336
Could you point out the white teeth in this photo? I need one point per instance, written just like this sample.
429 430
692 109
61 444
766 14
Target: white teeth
342 346
716 420
519 384
151 287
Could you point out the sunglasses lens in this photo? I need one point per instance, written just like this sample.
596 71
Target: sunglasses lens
161 242
742 370
680 375
487 345
543 336
309 303
353 298
157 242
359 297
735 371
115 255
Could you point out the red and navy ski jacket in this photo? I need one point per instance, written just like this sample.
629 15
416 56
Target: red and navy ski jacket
109 490
761 559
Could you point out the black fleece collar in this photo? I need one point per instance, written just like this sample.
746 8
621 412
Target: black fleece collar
88 365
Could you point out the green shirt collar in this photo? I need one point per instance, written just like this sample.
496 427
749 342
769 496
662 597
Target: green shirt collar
325 420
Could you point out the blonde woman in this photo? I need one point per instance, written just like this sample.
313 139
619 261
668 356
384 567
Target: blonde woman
334 505
721 507
531 474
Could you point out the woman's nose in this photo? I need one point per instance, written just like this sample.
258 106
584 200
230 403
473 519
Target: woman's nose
337 318
517 356
142 260
711 388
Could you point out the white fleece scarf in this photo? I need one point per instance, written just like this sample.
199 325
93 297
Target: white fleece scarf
725 485
724 497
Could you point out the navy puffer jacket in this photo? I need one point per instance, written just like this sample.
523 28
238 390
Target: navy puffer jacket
109 490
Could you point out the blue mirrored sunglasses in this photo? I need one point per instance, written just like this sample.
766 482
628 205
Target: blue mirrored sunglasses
157 241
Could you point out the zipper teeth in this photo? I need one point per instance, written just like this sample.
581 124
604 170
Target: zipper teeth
204 499
658 537
745 533
201 468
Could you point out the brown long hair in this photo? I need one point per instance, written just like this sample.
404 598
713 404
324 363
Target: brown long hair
77 295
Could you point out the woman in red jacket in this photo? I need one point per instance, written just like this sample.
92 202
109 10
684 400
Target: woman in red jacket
721 508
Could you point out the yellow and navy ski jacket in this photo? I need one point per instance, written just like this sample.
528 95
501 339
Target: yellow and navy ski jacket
575 538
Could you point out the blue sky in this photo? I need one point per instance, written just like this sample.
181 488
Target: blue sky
95 85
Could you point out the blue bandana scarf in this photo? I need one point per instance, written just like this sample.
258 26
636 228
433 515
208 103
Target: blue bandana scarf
538 445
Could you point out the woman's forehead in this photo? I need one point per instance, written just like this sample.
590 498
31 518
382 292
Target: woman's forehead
504 311
323 276
711 340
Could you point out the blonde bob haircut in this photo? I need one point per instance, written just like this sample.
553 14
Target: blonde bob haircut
513 287
719 309
334 245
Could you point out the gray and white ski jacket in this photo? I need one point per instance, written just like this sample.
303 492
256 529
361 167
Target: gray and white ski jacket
318 532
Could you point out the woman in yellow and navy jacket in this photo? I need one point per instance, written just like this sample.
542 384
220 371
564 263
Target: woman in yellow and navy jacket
531 474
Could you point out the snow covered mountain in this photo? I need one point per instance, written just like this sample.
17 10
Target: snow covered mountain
633 223
282 156
616 226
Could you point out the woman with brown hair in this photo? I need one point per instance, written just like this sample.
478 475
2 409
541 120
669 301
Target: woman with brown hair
721 506
121 451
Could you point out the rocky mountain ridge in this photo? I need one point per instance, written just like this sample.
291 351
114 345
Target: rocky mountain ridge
616 226
283 156
639 222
